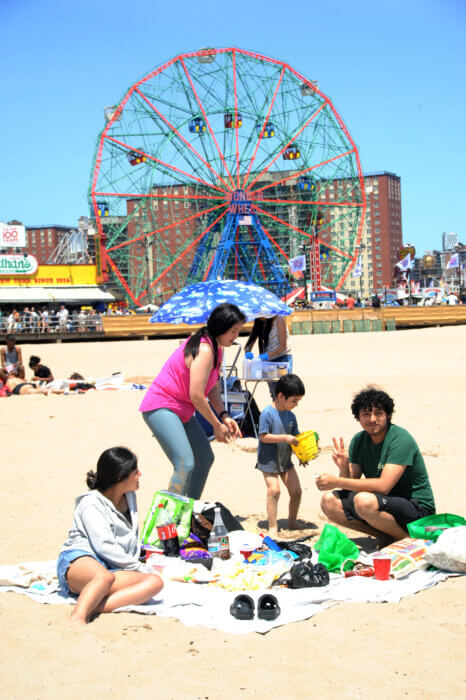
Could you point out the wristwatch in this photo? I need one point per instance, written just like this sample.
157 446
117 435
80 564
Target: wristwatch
223 413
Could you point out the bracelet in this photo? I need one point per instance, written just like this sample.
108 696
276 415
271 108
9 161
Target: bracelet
223 413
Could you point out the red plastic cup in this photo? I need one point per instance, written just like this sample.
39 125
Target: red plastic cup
246 552
382 568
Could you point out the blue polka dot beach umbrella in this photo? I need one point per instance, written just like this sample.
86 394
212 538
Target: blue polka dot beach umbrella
194 303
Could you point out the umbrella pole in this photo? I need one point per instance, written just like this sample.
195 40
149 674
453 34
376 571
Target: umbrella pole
225 393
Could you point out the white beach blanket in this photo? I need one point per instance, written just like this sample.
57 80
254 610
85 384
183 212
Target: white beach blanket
197 604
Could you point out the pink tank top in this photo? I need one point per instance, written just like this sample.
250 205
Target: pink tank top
170 389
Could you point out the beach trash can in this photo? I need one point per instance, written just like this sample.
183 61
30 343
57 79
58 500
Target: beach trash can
305 327
295 328
336 326
377 324
390 324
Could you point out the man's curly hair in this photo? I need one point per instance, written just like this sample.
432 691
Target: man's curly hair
372 398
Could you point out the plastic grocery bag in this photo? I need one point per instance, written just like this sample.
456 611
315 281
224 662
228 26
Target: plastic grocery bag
431 527
449 552
334 548
179 507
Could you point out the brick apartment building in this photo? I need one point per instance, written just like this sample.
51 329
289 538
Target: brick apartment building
381 240
149 256
382 234
41 241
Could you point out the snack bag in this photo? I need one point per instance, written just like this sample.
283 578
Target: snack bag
407 555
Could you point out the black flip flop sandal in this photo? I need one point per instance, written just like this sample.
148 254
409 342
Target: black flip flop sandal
268 607
242 607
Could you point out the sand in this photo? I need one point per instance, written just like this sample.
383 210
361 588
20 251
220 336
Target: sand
352 650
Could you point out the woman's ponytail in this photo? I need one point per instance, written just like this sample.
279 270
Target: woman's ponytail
91 480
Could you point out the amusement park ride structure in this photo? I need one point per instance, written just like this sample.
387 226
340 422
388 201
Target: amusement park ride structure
224 164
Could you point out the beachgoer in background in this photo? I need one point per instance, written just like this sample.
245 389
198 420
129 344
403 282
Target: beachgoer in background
45 320
11 357
41 372
18 387
350 302
376 302
395 489
62 315
189 381
34 320
99 560
277 430
274 343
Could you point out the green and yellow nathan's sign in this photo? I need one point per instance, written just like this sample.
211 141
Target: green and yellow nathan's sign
19 273
17 264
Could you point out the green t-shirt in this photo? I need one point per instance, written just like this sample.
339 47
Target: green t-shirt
398 447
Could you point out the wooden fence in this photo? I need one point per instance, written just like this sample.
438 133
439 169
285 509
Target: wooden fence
300 322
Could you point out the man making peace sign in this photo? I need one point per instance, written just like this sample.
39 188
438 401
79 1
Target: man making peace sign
395 489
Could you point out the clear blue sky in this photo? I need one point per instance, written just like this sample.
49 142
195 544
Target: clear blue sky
394 70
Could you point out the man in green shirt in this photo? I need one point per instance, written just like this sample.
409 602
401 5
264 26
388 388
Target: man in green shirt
395 489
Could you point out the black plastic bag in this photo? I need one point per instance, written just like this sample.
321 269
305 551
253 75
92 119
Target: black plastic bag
201 526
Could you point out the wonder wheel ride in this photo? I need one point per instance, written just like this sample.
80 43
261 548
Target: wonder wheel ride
224 164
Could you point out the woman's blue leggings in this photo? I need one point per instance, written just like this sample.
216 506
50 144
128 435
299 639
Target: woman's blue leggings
187 448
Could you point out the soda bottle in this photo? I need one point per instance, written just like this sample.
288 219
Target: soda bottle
166 531
218 543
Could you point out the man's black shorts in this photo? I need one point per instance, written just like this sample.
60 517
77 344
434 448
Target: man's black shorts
404 510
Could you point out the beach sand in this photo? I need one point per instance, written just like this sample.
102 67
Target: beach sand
414 648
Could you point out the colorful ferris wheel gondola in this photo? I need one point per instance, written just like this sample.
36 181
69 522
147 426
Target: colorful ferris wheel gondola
197 125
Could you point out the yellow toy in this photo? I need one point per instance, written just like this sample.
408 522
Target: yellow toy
307 447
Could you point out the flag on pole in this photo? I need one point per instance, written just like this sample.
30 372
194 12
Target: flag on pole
406 263
297 264
357 272
454 261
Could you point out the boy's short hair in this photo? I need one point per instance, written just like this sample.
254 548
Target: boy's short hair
290 385
371 397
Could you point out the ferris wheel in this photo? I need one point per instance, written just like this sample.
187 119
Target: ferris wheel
223 163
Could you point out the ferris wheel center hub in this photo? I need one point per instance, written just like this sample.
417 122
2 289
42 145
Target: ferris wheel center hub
240 203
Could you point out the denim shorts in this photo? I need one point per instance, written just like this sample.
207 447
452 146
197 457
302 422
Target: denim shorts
63 564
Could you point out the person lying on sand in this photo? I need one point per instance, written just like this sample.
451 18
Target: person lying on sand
99 560
395 489
18 387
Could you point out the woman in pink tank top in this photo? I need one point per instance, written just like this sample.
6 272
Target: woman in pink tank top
187 382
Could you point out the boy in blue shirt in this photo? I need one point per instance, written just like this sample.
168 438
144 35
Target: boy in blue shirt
277 430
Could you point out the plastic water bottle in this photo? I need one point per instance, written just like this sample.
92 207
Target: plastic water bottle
166 531
218 543
247 368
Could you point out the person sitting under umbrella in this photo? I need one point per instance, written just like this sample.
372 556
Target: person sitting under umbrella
189 381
